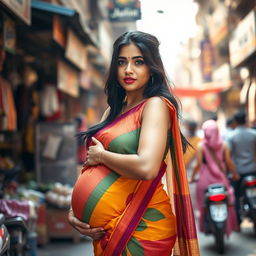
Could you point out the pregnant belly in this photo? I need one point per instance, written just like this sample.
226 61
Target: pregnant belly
100 195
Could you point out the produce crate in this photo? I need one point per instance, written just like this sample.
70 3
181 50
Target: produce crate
58 226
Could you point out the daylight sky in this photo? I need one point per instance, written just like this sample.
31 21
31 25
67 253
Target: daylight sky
174 25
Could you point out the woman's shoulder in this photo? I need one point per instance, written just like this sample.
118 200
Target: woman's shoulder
155 107
156 102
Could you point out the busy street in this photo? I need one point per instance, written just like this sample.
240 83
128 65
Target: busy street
127 127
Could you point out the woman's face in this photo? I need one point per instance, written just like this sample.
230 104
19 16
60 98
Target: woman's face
132 72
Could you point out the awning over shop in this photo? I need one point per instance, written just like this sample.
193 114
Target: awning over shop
56 9
68 13
197 93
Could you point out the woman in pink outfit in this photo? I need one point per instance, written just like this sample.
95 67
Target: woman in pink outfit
212 158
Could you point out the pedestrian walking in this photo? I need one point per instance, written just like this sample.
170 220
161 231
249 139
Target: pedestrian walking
119 198
212 158
193 139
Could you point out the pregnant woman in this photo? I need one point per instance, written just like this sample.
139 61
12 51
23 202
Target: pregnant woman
119 199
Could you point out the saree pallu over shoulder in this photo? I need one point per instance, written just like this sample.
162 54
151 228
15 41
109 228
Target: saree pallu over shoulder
186 243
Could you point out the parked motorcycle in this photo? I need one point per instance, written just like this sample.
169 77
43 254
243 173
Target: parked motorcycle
216 205
248 199
12 222
4 237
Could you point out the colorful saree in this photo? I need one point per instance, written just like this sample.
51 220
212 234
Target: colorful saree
136 214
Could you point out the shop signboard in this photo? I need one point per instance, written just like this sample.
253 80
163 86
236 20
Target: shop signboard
68 79
206 59
124 10
243 40
76 51
218 24
22 8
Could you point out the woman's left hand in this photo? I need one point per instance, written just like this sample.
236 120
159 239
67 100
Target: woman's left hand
94 153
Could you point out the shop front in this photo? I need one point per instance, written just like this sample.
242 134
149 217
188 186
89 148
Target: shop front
242 48
43 64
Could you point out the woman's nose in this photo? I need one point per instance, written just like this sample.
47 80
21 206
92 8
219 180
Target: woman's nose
129 69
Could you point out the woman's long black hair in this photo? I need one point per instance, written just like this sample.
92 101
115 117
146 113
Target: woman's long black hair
157 86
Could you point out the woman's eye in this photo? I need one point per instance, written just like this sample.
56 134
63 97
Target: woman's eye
120 63
139 62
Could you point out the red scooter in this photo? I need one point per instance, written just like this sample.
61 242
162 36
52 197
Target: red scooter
216 204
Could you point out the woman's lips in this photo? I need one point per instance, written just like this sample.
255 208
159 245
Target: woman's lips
129 80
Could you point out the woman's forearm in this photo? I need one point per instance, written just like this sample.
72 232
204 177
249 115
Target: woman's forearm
131 166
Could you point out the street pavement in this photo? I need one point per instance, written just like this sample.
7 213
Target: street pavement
66 247
239 244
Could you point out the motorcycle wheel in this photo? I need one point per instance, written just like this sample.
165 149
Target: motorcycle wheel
219 240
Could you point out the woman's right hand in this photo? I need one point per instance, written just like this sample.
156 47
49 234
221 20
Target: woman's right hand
84 228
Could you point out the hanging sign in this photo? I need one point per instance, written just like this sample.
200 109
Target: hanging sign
68 79
124 10
243 43
22 8
206 59
76 51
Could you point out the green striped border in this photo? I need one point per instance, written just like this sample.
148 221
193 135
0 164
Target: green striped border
96 195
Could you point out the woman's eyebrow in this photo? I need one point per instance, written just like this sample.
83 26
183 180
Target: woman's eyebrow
134 57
